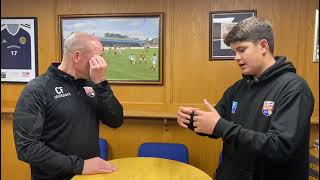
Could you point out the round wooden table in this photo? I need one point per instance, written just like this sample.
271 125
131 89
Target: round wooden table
147 168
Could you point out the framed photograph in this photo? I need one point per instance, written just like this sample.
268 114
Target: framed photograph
19 52
220 24
316 38
132 44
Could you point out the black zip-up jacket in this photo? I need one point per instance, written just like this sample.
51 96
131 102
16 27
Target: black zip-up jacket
56 123
265 126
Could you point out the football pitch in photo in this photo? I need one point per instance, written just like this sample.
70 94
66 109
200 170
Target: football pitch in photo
121 68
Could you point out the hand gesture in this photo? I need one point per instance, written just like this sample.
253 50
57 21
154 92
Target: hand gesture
205 122
183 116
97 165
98 67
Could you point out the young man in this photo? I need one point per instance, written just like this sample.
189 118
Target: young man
264 118
56 120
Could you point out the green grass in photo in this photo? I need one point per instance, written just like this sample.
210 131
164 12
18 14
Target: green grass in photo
120 68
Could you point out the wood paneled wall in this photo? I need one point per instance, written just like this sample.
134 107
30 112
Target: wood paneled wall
188 74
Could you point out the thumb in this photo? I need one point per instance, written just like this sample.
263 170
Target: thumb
208 105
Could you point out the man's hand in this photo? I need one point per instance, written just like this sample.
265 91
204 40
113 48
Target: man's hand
183 116
98 67
205 122
97 165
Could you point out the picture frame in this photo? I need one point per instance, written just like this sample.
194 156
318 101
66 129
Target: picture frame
133 44
19 49
220 22
316 38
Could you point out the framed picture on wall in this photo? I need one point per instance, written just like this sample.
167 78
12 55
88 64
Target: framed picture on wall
220 24
19 52
132 44
316 38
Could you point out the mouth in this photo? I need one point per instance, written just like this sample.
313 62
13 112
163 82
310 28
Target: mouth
242 66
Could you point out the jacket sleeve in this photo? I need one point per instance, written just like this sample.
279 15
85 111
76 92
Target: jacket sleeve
289 126
110 111
29 117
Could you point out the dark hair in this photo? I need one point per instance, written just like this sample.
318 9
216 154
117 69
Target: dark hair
251 29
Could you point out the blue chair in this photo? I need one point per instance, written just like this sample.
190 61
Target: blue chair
177 152
103 147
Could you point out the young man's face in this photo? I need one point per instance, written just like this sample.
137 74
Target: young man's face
249 57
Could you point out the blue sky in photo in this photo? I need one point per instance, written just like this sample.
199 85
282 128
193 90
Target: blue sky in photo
140 27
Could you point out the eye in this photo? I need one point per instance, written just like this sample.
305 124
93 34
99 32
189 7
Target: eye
241 49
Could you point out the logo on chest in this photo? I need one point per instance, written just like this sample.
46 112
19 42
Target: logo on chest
89 91
60 93
267 108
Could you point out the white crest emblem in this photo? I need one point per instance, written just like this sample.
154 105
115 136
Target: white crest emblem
89 91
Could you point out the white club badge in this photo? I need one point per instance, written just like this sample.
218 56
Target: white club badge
89 91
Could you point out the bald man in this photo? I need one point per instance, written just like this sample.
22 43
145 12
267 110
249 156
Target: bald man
56 120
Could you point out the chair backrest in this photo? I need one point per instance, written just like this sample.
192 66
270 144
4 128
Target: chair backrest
177 152
103 147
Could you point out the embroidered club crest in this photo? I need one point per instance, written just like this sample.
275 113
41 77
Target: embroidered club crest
234 107
267 108
89 91
22 40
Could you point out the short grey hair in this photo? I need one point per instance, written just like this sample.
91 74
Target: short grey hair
251 29
77 41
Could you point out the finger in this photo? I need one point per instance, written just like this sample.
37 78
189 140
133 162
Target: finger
185 121
99 59
103 170
90 63
186 110
182 125
197 113
183 115
113 168
196 124
196 118
94 62
208 105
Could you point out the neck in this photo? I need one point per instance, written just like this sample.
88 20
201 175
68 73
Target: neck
67 68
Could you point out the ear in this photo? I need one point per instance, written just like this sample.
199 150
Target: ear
75 57
264 46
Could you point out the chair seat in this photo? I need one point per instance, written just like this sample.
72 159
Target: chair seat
177 152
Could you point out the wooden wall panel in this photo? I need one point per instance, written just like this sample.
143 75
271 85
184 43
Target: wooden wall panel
188 74
308 70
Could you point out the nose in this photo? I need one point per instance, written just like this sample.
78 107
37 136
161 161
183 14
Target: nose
237 57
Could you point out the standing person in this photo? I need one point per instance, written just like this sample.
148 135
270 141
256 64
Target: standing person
154 59
264 118
142 58
132 59
56 120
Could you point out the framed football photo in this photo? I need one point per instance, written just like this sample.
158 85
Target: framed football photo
132 44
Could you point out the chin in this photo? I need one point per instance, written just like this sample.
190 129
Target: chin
247 73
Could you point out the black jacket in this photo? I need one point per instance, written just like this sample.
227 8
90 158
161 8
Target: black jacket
265 126
56 123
